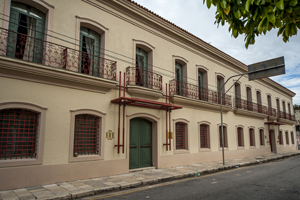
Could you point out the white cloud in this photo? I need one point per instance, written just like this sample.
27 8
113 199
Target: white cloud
196 18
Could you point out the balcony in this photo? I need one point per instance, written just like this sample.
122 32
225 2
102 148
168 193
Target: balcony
193 95
286 118
272 114
244 107
53 63
143 83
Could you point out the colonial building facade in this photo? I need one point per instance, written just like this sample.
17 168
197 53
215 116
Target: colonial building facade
94 88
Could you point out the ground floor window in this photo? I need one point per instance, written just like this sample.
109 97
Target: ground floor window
18 134
292 138
86 135
181 135
240 137
204 136
280 138
225 136
251 137
287 137
261 137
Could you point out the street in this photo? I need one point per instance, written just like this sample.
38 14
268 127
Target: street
276 180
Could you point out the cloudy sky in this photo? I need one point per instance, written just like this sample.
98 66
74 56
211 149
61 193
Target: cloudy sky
196 18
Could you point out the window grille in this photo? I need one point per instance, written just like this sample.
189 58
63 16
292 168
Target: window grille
86 136
225 135
180 135
292 138
240 137
18 134
251 135
280 138
261 137
287 137
204 136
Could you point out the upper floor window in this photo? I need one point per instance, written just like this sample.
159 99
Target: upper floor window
220 83
202 84
141 66
258 99
249 99
237 92
90 52
25 39
283 107
277 105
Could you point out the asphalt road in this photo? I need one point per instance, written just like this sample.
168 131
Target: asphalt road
276 180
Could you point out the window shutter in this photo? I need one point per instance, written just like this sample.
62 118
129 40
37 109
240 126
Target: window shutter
98 70
12 35
240 143
39 43
251 134
225 135
204 136
180 136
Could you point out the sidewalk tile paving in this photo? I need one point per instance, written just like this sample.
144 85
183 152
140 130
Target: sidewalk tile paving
88 187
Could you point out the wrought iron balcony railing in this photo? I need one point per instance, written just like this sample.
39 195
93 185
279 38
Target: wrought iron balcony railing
30 49
250 106
143 78
285 115
195 92
272 112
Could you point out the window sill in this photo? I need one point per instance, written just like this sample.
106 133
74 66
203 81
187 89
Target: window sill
225 149
204 150
262 146
85 158
240 148
252 147
181 151
20 162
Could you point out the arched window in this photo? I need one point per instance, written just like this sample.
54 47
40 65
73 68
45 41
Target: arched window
292 138
204 136
251 137
18 134
237 91
240 137
249 99
202 84
287 137
141 67
262 137
225 136
90 52
258 99
280 138
26 33
181 136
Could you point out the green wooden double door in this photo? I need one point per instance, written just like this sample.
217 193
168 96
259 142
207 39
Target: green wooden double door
140 152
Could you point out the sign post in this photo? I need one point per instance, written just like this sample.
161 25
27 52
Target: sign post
263 69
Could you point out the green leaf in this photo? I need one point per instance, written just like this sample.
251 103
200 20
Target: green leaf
237 14
224 4
255 13
247 6
280 5
298 24
260 25
278 23
208 3
265 25
257 2
262 2
235 33
272 18
293 29
287 31
289 9
293 2
281 29
264 11
285 39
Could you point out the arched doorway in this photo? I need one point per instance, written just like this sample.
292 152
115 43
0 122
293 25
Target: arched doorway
140 146
272 140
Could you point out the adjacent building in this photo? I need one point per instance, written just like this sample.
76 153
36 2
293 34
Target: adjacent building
95 88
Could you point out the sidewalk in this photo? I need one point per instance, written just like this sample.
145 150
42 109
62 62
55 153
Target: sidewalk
88 187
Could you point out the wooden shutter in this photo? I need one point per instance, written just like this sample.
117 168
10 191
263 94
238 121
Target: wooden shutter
39 41
225 135
204 136
287 137
180 135
12 35
280 138
240 137
261 136
251 135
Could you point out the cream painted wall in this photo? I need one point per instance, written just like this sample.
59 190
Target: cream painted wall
121 32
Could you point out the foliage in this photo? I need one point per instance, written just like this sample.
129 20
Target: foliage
296 106
254 17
